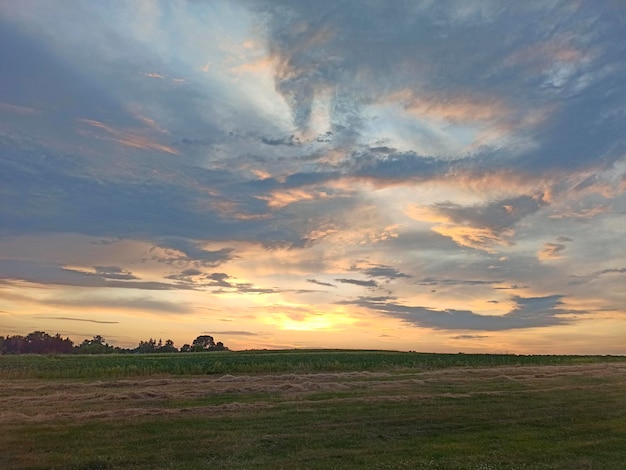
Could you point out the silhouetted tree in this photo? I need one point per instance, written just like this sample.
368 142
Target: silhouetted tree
14 345
168 347
203 343
145 347
96 345
40 342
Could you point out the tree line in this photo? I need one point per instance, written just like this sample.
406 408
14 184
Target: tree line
40 342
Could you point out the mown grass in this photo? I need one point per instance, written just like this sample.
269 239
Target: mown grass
425 416
229 362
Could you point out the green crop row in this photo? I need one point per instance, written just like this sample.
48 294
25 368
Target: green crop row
250 362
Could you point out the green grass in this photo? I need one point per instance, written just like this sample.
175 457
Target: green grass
411 411
125 365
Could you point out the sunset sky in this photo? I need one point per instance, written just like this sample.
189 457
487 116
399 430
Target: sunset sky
436 176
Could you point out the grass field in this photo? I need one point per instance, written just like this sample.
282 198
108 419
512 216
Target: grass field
313 409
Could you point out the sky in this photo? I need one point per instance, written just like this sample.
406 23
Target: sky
438 176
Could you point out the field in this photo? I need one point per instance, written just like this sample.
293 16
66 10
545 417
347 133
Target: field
313 409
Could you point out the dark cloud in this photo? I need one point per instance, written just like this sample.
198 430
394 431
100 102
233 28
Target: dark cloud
469 337
512 287
396 166
496 216
192 251
186 275
114 272
219 280
431 281
358 282
80 319
123 303
613 271
583 279
226 284
50 273
287 141
231 333
320 283
530 312
191 272
384 271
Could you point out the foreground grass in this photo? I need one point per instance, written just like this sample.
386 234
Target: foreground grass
500 417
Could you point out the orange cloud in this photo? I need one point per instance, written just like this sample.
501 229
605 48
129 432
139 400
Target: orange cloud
129 138
475 237
548 54
457 109
280 199
232 210
479 237
263 65
14 109
551 251
586 213
135 110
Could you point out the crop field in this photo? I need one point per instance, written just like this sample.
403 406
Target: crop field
312 409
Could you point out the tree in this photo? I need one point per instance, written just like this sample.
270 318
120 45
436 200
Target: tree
96 345
14 345
203 343
144 347
168 347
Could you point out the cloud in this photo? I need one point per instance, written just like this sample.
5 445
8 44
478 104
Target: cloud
122 303
358 282
14 109
384 271
114 272
396 166
481 226
431 281
530 312
220 280
50 273
320 283
551 251
130 138
192 250
80 320
223 281
613 271
231 333
470 337
287 141
582 279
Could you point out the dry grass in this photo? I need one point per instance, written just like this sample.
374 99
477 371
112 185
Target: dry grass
51 401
